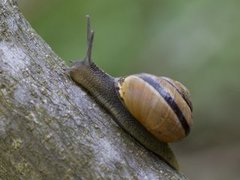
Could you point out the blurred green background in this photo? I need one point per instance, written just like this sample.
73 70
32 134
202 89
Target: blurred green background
196 42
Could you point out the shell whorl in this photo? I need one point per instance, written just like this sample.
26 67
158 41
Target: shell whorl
159 105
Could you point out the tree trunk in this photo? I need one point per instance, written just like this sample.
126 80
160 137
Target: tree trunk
49 127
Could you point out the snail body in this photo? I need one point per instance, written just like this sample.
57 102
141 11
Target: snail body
137 104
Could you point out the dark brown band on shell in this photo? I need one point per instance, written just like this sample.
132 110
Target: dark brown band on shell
189 103
170 101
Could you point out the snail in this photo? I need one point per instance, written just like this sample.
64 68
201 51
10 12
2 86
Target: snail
153 110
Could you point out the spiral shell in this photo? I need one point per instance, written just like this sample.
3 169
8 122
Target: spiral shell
160 104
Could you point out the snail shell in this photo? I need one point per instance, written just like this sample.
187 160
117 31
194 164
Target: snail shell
160 104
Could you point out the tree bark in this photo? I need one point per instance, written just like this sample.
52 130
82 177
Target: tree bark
49 127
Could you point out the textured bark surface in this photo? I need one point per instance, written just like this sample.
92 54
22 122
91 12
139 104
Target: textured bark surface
49 127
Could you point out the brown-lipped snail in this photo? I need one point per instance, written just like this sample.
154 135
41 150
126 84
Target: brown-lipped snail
153 110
